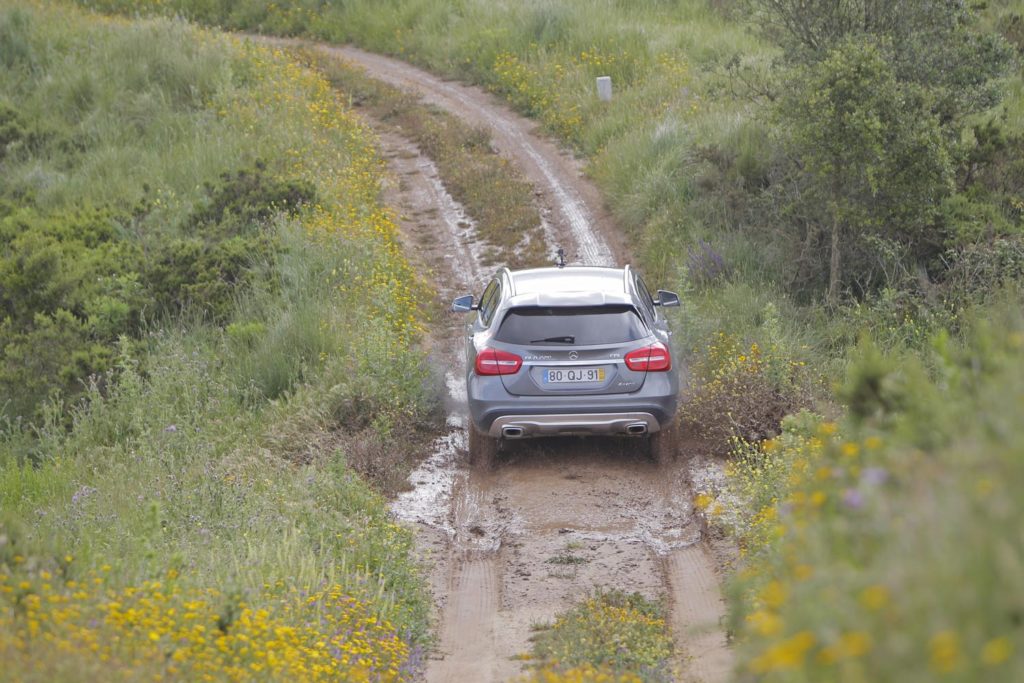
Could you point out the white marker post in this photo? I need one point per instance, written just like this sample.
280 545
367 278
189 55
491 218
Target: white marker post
604 88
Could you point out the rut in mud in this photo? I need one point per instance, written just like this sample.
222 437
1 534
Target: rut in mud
513 547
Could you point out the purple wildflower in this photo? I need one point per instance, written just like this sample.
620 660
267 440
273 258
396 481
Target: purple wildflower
81 494
875 476
854 499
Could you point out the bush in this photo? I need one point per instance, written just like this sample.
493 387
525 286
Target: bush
73 282
611 633
742 390
976 270
928 467
230 246
15 135
242 202
68 290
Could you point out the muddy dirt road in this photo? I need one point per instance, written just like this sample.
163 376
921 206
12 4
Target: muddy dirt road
513 547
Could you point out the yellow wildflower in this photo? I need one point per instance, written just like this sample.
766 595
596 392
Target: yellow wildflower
874 597
945 651
996 651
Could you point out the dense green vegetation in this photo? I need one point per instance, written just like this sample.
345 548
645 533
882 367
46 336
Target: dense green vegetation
75 280
205 323
710 167
887 546
839 190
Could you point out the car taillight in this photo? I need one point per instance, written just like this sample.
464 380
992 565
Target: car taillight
653 358
497 362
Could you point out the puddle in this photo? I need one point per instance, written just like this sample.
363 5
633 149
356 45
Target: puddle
433 482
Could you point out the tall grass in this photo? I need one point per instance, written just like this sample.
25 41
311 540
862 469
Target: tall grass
140 104
208 472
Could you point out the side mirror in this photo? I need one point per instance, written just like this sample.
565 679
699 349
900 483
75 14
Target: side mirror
464 304
666 299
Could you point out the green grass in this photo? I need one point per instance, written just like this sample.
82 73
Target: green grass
140 105
666 61
611 635
213 463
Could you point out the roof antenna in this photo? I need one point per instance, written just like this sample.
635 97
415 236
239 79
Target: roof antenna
560 258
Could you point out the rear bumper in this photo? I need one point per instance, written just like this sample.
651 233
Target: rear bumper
521 426
492 409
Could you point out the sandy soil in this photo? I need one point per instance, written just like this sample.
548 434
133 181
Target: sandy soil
511 548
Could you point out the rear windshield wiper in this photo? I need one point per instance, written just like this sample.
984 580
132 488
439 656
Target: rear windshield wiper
556 340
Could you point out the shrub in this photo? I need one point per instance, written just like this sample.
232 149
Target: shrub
242 202
230 245
207 275
617 634
927 467
12 130
740 391
978 269
68 290
704 265
895 319
53 357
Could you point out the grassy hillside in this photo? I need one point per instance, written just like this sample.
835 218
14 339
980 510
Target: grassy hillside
206 323
695 162
712 156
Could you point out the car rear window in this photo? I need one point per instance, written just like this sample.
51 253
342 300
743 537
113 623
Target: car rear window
571 325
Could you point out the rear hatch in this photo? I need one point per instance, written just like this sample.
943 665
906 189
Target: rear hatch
572 350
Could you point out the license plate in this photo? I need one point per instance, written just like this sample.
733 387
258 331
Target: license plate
571 375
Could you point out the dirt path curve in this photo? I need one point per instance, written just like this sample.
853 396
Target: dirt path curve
559 517
574 207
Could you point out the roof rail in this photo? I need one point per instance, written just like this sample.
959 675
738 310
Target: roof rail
508 275
626 270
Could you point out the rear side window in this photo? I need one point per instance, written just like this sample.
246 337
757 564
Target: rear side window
489 302
571 325
646 302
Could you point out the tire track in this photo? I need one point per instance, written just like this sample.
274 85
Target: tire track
472 610
697 615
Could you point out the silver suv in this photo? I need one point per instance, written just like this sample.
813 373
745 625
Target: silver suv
569 350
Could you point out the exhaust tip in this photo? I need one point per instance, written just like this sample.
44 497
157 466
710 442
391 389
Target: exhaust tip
636 428
512 432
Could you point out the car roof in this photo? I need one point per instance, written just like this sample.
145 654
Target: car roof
569 279
569 286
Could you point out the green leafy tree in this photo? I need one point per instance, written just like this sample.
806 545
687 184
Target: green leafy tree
872 116
873 158
932 43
